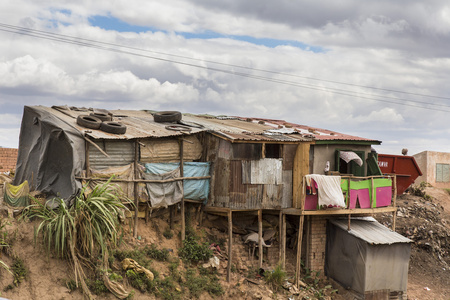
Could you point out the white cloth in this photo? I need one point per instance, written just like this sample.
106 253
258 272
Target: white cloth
349 156
329 189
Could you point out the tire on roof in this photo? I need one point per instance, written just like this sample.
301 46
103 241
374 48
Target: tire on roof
89 121
178 128
113 127
167 116
101 116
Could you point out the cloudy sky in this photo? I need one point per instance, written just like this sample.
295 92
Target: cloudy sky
375 69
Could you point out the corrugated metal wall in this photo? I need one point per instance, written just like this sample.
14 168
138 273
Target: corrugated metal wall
120 153
230 191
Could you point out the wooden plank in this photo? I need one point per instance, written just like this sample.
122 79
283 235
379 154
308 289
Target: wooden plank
88 164
299 251
300 169
136 198
359 211
283 242
144 180
260 239
280 233
183 215
230 243
96 146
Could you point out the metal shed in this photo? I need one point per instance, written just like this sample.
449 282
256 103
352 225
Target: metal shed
367 258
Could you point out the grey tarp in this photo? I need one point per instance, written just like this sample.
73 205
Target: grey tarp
368 257
51 154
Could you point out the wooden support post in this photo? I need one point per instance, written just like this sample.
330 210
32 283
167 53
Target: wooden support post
372 198
87 162
183 215
230 243
299 251
283 242
394 203
280 233
348 226
260 240
135 189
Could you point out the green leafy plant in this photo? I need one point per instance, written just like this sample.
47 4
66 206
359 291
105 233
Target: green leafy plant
276 277
153 252
168 234
89 229
193 250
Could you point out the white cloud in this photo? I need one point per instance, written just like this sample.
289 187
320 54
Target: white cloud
379 44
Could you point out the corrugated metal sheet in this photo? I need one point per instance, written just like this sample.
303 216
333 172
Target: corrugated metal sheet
263 171
120 153
168 150
140 124
371 231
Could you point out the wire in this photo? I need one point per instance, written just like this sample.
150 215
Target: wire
100 45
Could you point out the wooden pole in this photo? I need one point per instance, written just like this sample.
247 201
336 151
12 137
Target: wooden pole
394 203
87 162
183 215
136 198
299 250
260 239
283 242
348 226
171 208
230 243
280 233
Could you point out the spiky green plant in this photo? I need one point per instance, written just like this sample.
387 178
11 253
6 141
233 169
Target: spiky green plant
88 229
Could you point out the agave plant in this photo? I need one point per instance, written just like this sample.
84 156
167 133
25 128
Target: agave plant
86 229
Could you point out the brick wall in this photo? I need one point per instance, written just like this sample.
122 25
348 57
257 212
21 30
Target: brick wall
316 244
8 159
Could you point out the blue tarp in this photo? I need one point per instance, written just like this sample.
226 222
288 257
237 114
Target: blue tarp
193 189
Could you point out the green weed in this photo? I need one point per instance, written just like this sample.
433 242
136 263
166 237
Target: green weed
276 277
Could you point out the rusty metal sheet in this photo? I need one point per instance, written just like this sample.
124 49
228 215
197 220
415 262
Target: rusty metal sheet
168 150
120 153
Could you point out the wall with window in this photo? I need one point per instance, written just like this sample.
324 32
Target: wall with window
320 154
435 167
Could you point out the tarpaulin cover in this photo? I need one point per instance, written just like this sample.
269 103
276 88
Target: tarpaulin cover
193 189
362 266
51 154
165 193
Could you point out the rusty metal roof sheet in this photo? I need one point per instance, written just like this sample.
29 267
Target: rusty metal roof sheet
140 124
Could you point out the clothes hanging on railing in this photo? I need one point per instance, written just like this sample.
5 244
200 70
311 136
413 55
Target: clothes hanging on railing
329 190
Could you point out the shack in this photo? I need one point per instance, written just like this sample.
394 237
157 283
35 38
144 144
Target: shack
229 165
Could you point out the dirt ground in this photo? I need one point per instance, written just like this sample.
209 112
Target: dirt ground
425 221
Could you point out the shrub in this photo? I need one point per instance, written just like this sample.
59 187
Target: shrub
275 278
193 251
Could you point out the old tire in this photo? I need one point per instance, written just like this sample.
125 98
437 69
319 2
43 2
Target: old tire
101 116
178 128
167 116
113 127
89 121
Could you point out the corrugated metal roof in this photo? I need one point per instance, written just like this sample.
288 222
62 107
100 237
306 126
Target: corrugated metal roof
140 124
371 231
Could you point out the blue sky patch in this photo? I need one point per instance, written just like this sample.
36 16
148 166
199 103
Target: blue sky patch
111 23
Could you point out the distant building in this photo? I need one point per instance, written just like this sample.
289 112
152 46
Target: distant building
8 159
435 167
